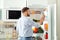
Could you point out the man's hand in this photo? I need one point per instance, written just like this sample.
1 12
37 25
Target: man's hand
42 19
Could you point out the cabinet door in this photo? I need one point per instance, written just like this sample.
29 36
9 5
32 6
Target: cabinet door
14 4
37 2
0 3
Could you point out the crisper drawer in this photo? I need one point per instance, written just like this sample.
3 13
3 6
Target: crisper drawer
38 36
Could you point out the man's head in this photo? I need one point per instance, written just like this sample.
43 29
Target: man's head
26 11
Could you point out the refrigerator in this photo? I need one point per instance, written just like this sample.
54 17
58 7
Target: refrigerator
49 24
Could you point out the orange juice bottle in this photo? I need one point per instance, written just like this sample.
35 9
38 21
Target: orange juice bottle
46 26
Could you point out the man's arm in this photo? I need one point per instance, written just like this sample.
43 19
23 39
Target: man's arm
41 21
34 24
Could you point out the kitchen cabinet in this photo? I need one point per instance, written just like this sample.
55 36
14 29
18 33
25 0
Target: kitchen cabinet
14 4
0 14
36 2
1 6
1 3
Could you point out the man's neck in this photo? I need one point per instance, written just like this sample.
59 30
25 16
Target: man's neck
25 15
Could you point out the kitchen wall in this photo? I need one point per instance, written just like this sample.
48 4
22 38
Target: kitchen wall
12 4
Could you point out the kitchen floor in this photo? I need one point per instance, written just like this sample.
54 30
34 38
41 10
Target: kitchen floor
7 39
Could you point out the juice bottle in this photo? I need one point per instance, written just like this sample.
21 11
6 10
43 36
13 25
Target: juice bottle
46 26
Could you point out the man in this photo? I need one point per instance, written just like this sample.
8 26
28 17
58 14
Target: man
24 25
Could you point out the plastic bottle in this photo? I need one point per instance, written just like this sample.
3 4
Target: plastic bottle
46 35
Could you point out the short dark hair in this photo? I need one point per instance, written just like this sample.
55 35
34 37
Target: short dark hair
25 9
